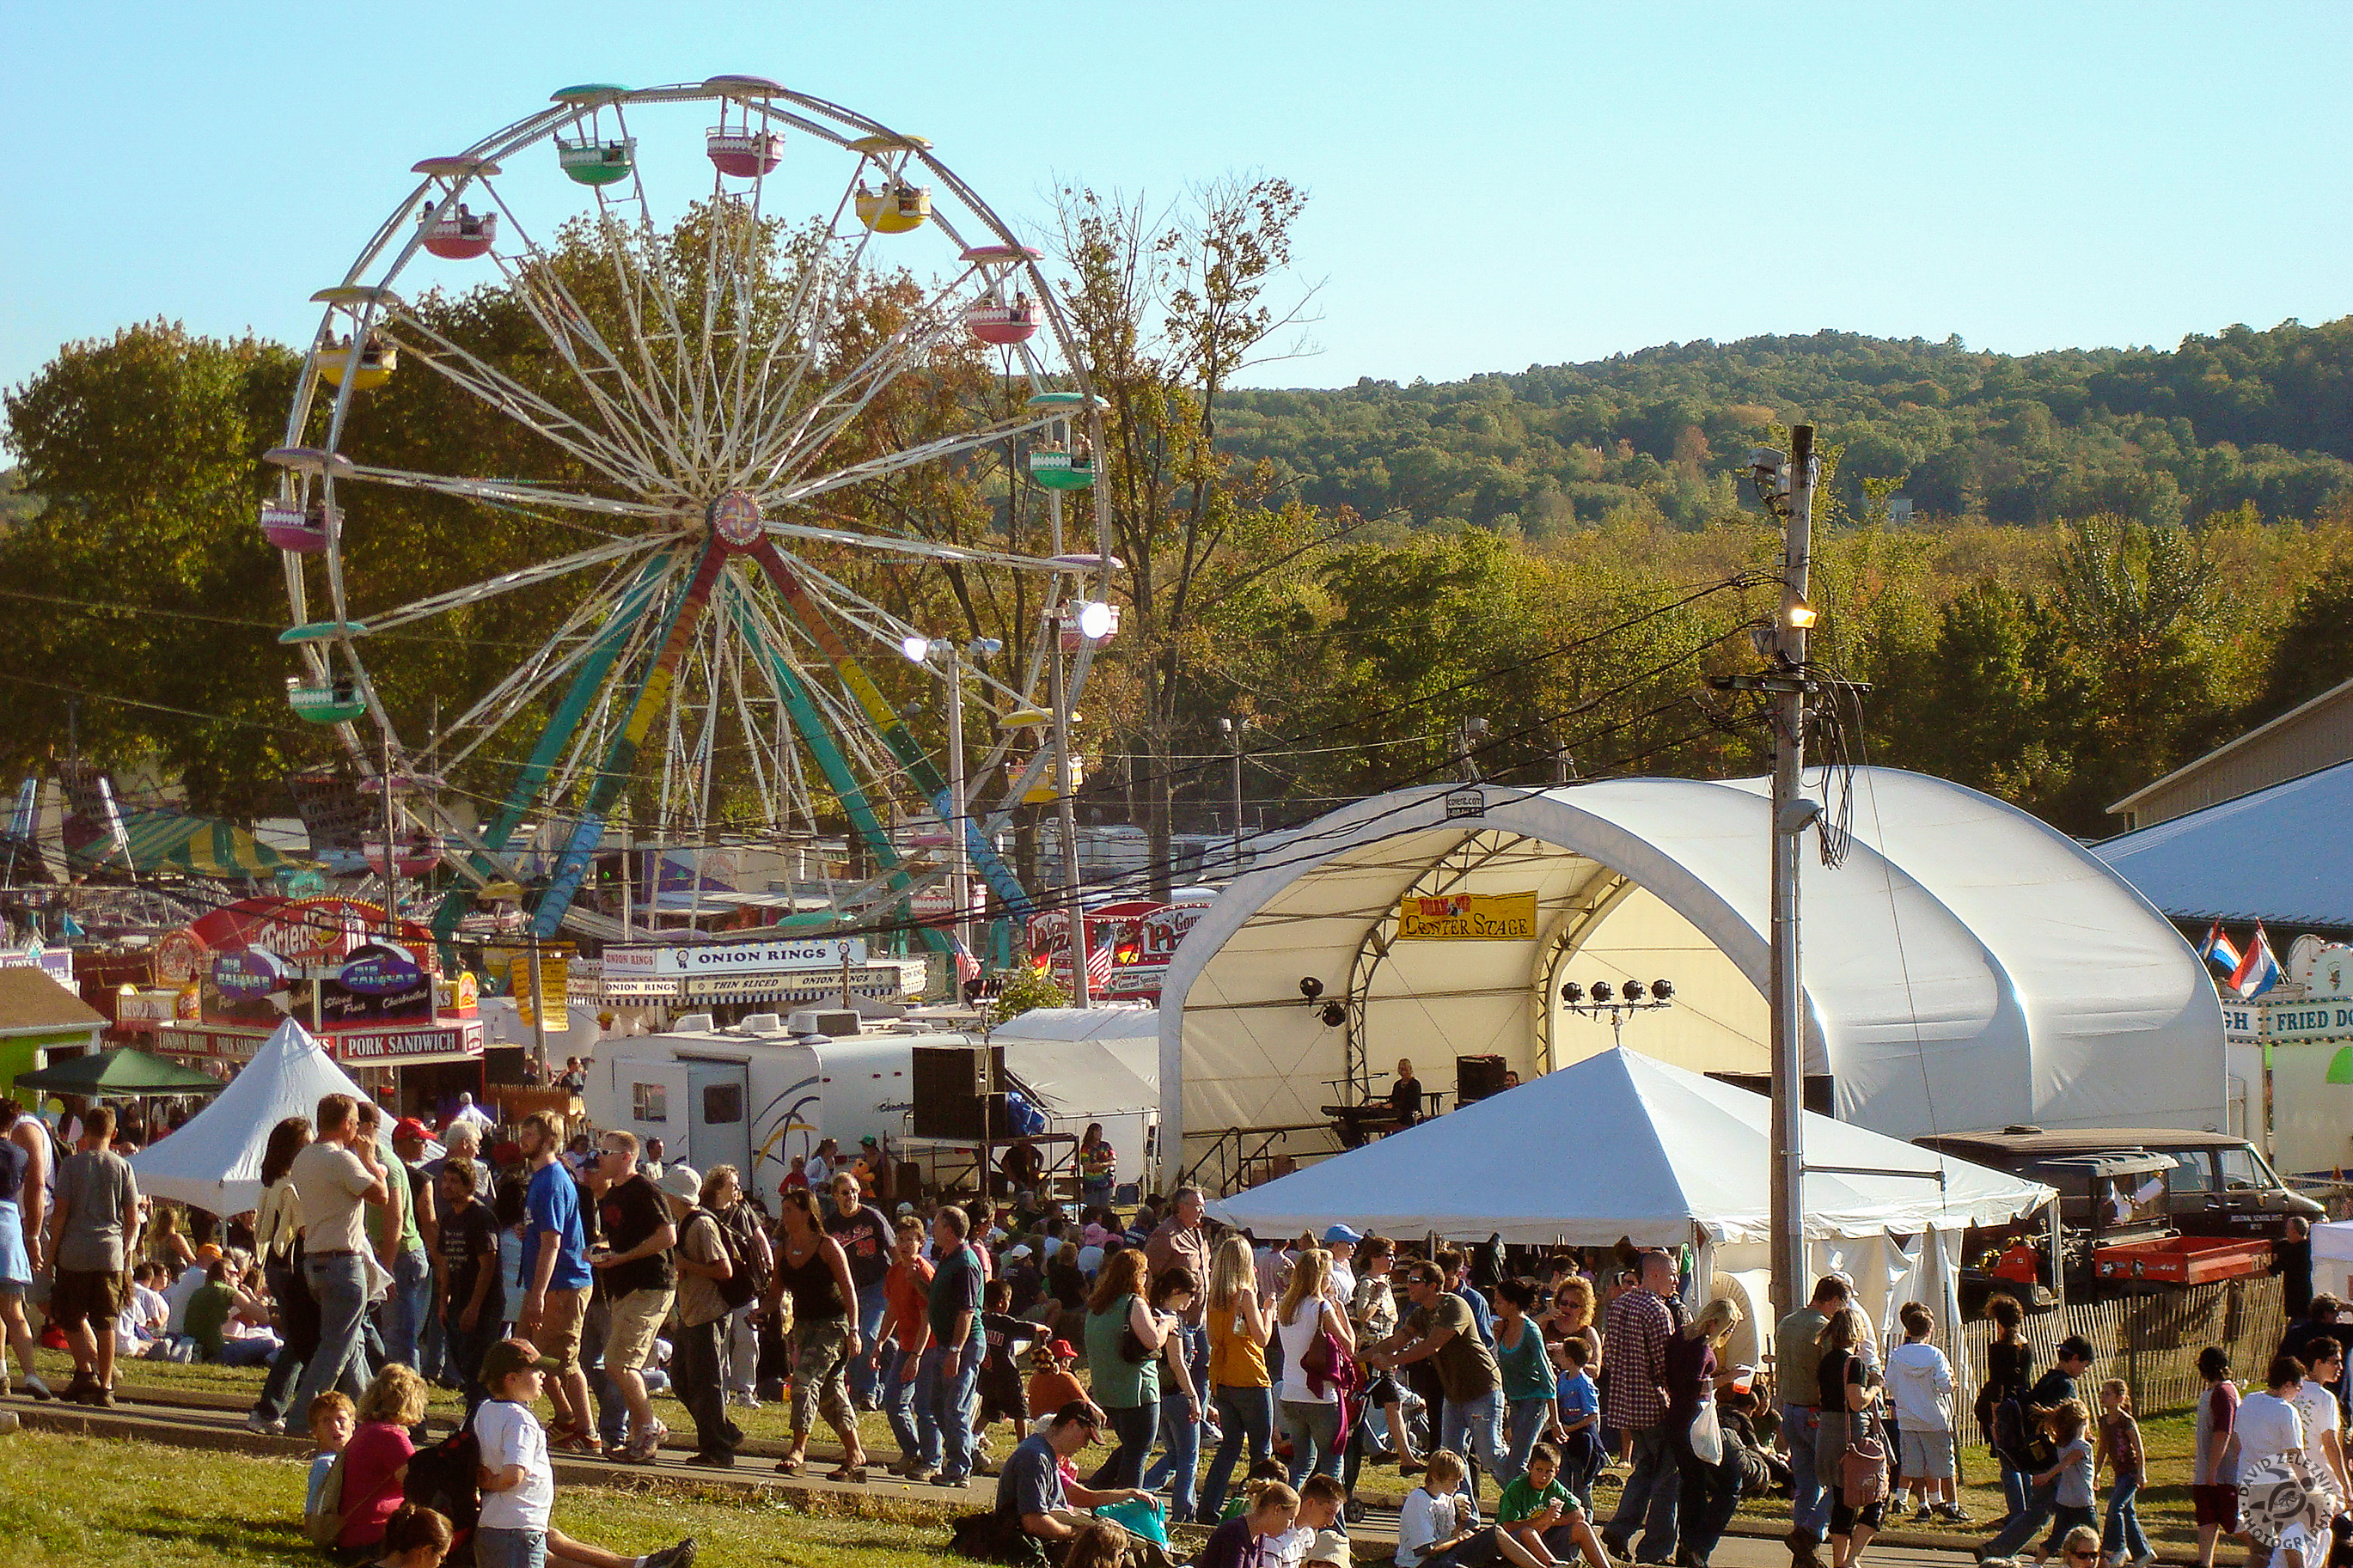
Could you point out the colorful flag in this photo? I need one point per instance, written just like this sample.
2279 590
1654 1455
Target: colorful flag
2258 971
2218 950
1099 960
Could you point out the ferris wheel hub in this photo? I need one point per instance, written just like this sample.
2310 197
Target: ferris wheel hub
735 518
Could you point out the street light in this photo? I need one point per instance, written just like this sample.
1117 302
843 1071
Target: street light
921 649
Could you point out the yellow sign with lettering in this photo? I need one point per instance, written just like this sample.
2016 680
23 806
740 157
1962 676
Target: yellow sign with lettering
1468 916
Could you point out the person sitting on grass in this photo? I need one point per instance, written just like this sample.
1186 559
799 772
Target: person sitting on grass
1052 1385
1034 1498
375 1461
518 1484
414 1538
1242 1542
1315 1533
330 1420
1541 1514
1439 1526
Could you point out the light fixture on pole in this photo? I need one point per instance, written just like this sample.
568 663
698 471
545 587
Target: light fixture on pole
1086 622
1599 999
922 650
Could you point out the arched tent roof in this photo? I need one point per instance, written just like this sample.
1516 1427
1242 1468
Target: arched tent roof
1966 965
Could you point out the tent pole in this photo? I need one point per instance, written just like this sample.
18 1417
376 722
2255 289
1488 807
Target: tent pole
1785 831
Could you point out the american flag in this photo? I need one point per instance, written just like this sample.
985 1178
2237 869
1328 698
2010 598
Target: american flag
1099 959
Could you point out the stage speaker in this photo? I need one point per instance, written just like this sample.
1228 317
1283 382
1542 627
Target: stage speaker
1476 1077
949 1097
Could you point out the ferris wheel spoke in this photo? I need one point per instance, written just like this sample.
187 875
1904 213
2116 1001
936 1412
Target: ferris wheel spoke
507 583
572 642
521 492
537 282
501 393
798 436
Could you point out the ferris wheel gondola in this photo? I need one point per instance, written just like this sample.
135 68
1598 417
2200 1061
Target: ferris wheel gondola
716 407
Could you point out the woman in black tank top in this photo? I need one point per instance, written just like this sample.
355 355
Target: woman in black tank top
811 1267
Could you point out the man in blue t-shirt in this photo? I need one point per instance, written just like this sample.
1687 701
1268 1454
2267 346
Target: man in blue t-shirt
556 1281
1030 1489
951 1368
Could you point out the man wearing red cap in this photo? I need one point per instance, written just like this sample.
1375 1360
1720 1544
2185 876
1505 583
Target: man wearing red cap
416 1321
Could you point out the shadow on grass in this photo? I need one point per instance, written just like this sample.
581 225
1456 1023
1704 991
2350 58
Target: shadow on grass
225 1539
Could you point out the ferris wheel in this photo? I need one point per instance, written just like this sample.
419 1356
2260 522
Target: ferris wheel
746 430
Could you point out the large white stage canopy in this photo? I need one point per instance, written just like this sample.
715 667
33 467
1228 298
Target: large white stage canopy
1967 966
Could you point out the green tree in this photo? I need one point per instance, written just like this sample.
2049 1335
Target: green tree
140 600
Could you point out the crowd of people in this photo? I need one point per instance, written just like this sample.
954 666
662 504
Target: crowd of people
526 1264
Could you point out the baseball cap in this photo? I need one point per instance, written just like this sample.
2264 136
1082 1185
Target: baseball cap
409 1127
509 1357
681 1181
868 1142
1020 1251
906 1208
1342 1233
1063 1349
208 1253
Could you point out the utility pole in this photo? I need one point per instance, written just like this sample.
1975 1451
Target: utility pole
1233 732
1789 820
959 873
1067 811
390 859
1468 732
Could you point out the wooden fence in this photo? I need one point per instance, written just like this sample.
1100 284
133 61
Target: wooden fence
2151 1341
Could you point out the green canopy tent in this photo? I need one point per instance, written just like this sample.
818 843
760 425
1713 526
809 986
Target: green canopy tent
122 1073
175 841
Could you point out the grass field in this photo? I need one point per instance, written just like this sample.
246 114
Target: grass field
72 1502
2164 1504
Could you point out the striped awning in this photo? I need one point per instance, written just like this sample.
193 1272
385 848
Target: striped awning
175 841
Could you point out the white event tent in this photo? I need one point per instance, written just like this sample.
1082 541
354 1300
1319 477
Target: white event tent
214 1162
1966 966
1622 1145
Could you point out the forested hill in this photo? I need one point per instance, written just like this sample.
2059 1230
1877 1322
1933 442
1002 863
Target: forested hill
2244 417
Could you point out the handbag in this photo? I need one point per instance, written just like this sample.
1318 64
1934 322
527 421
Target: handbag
1863 1469
1706 1435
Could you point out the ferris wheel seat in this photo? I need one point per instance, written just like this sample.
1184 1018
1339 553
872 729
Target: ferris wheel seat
410 857
744 154
1004 253
1059 471
596 163
301 529
894 211
328 702
1004 324
376 364
460 237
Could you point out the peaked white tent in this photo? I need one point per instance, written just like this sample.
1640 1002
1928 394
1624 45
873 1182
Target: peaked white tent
1622 1145
1966 966
1625 1144
214 1161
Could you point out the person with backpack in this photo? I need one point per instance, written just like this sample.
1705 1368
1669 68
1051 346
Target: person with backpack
2057 1388
746 1225
709 1282
2001 1402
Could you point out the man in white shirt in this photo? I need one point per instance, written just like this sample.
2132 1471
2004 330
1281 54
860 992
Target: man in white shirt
469 1111
335 1175
2324 1441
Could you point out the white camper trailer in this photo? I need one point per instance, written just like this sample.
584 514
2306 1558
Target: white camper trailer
760 1095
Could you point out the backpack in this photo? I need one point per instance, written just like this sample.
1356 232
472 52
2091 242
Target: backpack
325 1525
442 1478
2009 1437
743 1283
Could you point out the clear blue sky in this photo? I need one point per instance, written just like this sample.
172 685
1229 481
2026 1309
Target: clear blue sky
1492 185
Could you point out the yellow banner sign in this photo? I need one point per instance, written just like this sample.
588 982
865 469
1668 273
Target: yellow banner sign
1468 916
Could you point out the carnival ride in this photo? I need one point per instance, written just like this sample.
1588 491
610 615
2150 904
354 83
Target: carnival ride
714 399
